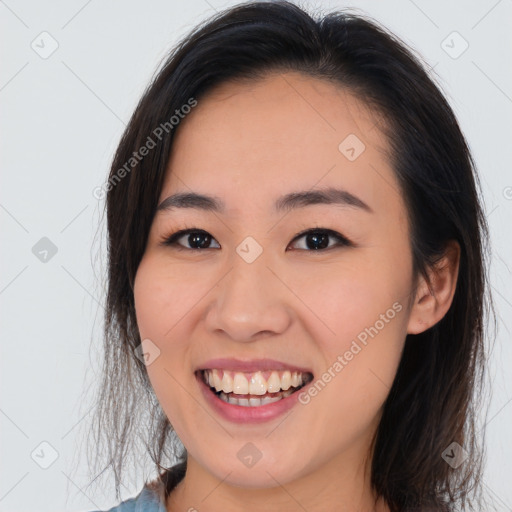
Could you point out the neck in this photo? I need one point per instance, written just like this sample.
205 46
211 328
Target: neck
335 487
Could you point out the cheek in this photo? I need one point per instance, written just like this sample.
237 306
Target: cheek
359 328
349 298
161 301
162 298
360 350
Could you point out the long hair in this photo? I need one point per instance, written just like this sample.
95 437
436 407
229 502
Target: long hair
433 400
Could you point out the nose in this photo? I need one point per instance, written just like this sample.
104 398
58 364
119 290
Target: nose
249 303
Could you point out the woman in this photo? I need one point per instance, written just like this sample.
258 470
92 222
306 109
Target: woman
296 282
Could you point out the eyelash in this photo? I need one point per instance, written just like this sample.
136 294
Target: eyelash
341 241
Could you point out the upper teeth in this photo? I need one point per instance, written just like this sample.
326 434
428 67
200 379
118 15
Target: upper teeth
253 383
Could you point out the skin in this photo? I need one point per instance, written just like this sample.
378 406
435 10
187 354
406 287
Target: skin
249 143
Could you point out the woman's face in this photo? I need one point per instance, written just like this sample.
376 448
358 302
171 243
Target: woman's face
249 295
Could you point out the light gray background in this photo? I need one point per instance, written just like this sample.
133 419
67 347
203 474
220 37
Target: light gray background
62 117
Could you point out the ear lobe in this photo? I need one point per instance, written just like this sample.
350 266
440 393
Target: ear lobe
434 298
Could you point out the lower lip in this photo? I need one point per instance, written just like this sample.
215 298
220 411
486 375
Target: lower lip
241 414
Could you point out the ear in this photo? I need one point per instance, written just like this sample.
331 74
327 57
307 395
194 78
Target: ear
432 302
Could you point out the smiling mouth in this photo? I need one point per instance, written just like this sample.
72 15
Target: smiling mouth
254 389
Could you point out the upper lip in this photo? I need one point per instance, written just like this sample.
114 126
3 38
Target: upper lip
250 366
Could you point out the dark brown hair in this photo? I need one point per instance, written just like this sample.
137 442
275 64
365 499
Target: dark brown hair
433 400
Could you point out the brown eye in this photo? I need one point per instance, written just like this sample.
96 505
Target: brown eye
192 239
314 240
319 239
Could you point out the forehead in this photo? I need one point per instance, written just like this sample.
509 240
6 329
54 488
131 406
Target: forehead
286 131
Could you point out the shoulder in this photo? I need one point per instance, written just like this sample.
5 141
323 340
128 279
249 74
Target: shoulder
150 499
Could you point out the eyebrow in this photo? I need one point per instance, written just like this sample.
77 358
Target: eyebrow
285 203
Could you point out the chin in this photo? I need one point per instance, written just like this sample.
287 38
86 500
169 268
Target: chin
262 475
254 479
